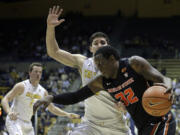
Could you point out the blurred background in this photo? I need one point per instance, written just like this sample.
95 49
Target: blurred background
149 28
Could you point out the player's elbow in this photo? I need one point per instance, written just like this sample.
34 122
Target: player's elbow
50 53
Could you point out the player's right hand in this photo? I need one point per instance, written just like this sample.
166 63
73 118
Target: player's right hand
120 107
44 101
13 115
54 14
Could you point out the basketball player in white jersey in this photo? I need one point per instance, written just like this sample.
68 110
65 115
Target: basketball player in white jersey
101 117
24 95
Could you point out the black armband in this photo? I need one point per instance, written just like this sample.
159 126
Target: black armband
73 97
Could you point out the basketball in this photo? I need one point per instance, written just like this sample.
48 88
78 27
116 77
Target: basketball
155 102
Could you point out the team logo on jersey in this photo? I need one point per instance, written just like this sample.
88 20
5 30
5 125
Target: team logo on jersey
33 96
97 93
89 74
121 86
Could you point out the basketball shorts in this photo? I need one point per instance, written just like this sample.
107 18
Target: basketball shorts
87 128
19 127
164 127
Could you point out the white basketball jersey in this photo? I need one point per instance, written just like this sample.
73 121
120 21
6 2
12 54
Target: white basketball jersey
100 107
23 104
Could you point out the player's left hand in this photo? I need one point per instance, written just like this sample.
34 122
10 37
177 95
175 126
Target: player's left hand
73 116
44 101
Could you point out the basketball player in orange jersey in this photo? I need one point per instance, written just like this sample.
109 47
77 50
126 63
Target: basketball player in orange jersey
126 80
101 117
24 94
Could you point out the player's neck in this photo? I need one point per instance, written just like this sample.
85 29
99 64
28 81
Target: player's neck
34 83
116 69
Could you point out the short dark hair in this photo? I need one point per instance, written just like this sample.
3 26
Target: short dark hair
107 51
99 34
34 64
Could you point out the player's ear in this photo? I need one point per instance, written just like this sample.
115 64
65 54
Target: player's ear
29 73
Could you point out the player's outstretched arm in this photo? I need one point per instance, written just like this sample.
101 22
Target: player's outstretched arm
143 67
71 97
53 50
59 112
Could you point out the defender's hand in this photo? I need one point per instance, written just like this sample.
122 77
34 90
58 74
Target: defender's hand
13 115
44 101
54 14
120 107
73 116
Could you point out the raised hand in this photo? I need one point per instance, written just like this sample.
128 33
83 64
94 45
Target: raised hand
44 101
53 16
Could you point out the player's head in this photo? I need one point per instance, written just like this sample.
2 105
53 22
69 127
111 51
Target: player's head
35 71
106 59
97 40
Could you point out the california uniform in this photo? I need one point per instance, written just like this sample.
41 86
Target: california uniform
129 87
23 105
101 117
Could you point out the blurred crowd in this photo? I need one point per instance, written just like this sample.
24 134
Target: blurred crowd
25 39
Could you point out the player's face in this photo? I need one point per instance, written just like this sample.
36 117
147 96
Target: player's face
97 43
105 66
36 73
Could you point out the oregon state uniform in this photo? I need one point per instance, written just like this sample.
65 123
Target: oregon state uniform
129 87
23 105
101 117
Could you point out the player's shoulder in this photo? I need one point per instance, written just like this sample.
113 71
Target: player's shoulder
19 87
135 57
88 61
42 89
80 58
79 61
135 60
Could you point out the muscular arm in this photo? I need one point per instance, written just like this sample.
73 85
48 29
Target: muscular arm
53 50
83 93
57 111
64 57
72 97
15 91
143 67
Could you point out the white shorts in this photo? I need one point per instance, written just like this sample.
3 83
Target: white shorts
87 128
19 127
